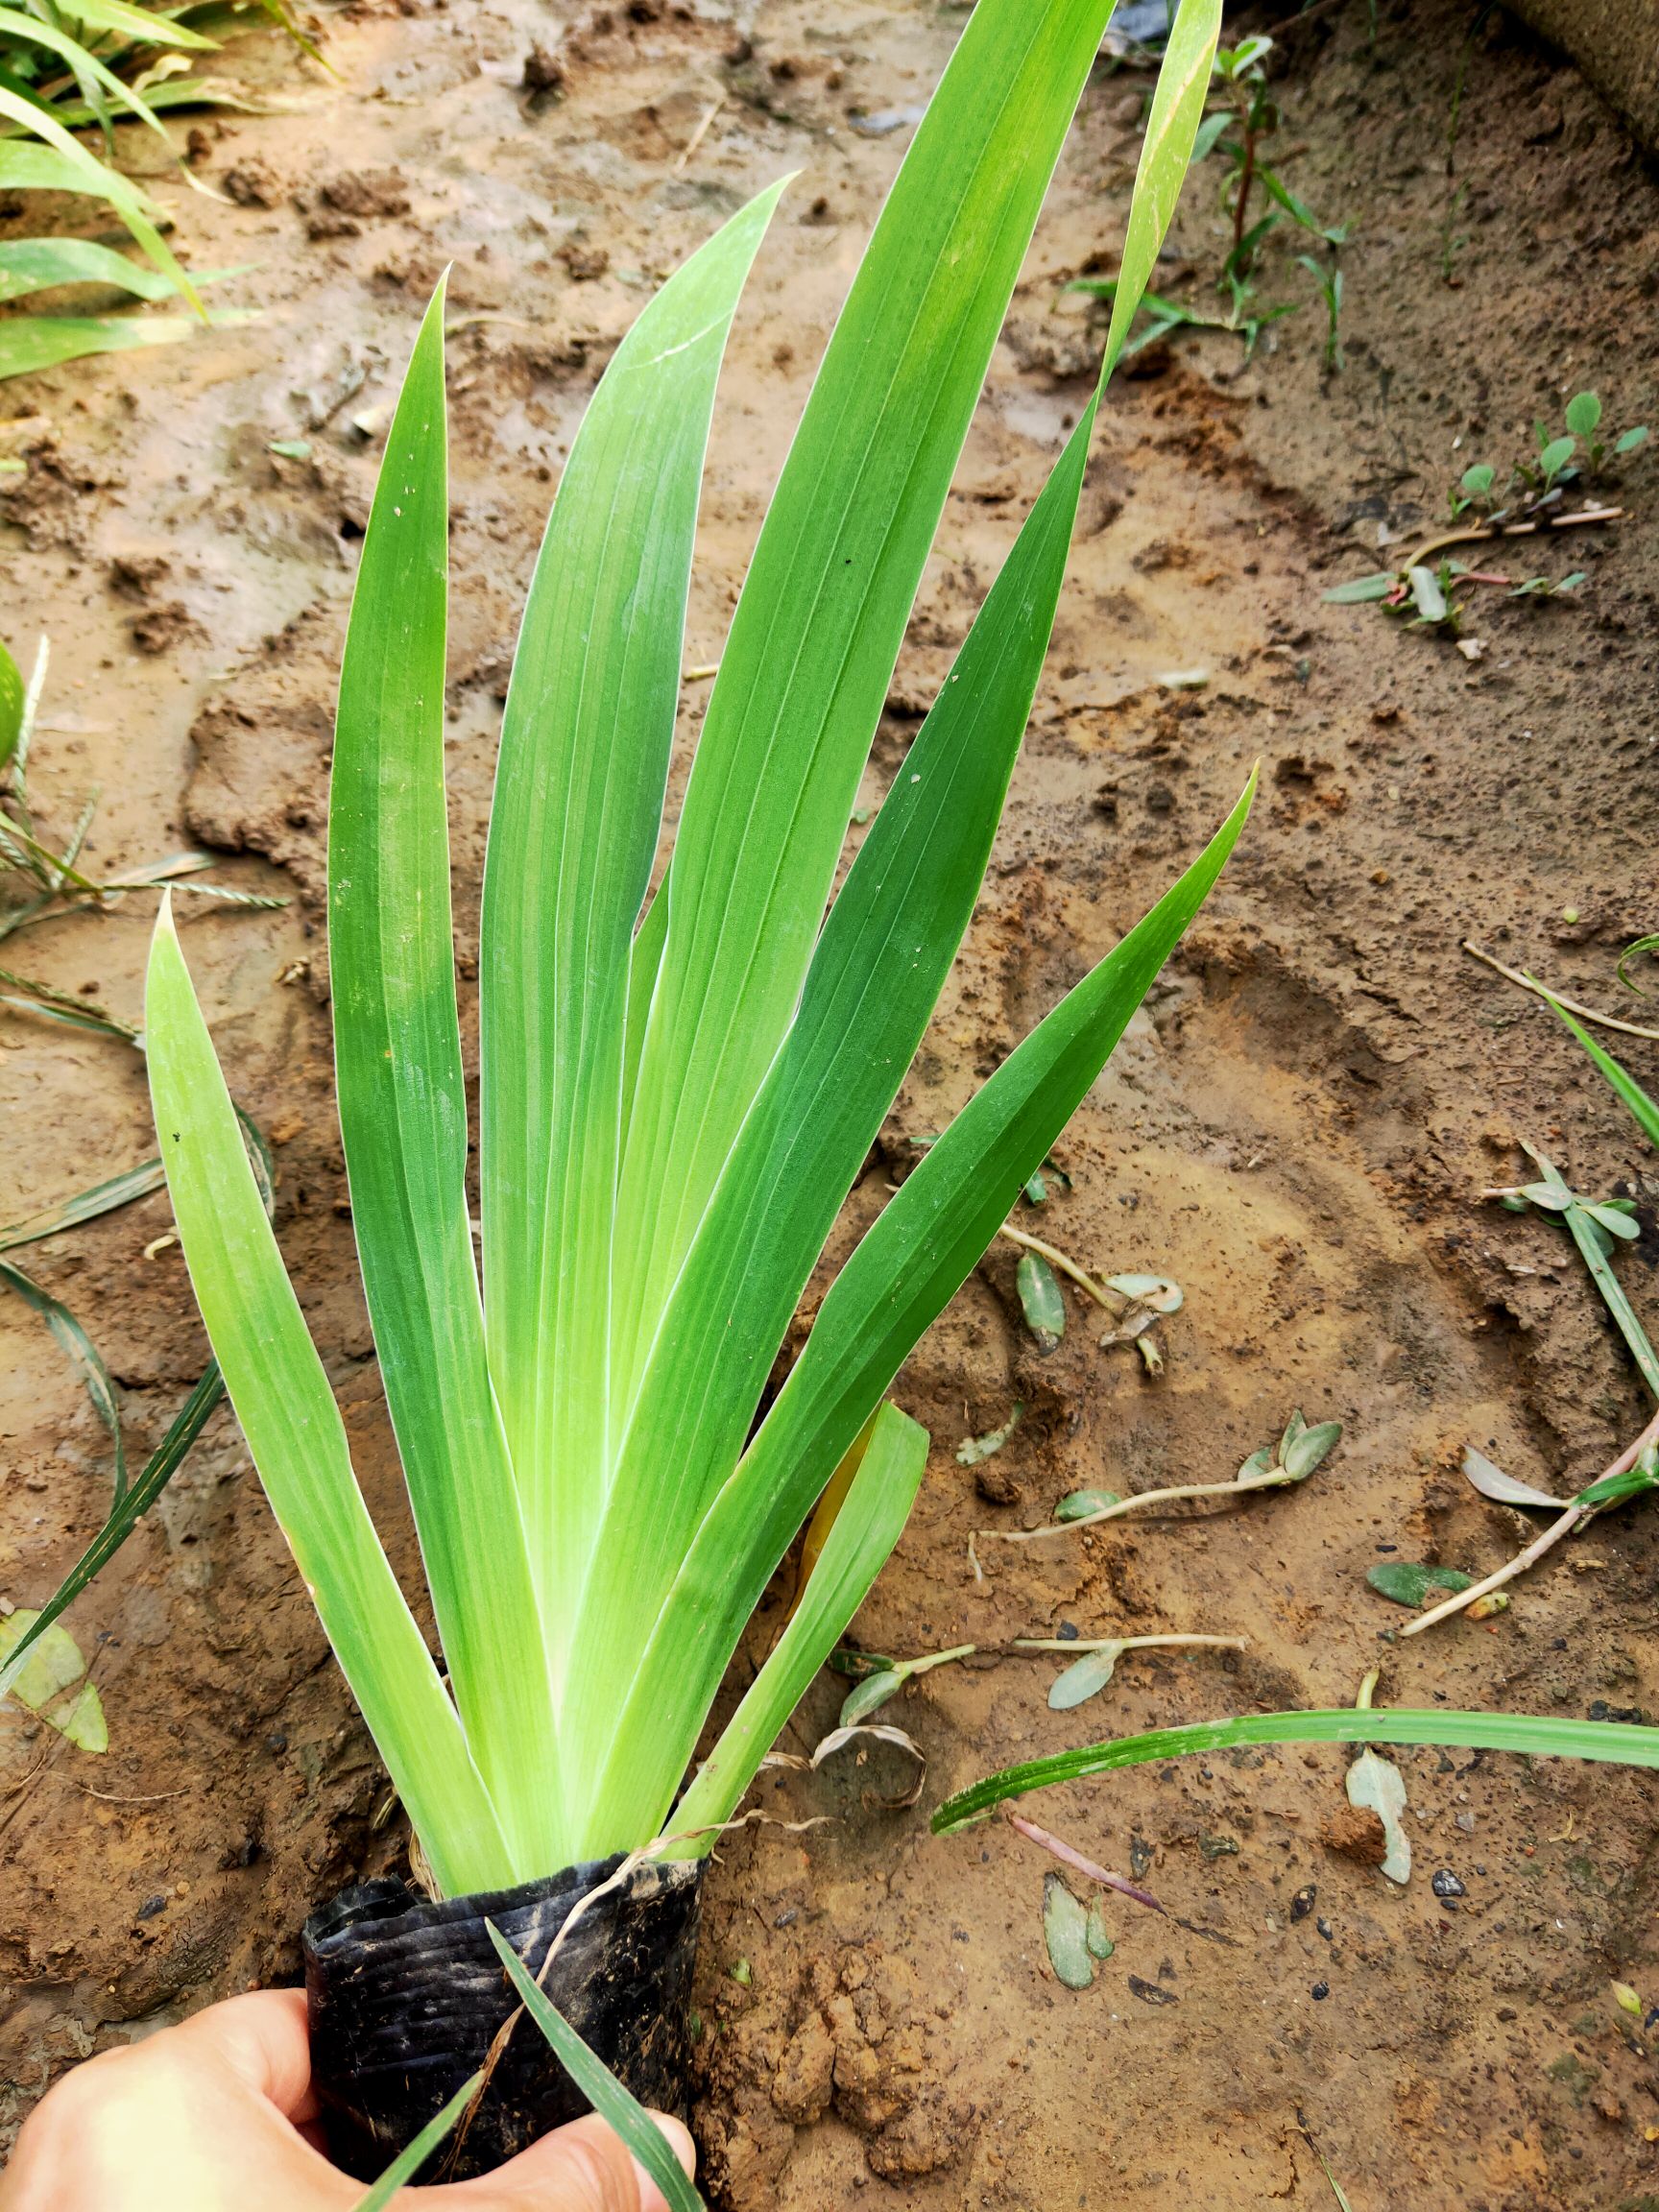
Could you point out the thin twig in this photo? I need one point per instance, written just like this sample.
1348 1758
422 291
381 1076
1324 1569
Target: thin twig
1573 1517
1573 1005
1081 1865
1121 1643
1240 1486
699 135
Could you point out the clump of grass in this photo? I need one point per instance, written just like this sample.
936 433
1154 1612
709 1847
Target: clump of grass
65 71
672 1107
132 1496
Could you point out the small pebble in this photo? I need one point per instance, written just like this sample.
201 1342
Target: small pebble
1446 1884
1320 1991
1302 1904
1325 1929
151 1906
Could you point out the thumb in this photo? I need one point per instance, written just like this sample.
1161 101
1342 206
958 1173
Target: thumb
580 2168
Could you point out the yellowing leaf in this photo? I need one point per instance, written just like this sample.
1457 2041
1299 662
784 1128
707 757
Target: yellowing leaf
47 1682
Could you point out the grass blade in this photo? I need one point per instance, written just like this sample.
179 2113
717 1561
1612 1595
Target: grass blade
910 1262
1594 1244
81 1351
127 1512
11 709
1171 130
93 76
1619 1742
869 1524
77 1013
141 25
622 2111
415 2154
578 808
298 1440
403 1115
816 633
31 343
90 175
1624 1085
42 264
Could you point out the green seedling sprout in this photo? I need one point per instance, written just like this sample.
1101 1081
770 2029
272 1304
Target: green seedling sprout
1134 1302
1479 516
1452 240
1631 1475
1328 279
672 1106
1597 1227
1095 1661
1631 952
1473 490
1239 130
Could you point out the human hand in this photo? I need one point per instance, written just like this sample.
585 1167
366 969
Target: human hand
217 2116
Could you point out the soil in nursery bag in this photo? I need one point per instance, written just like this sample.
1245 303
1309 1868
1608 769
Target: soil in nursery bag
406 1996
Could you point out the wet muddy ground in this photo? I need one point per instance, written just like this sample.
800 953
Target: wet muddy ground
1297 1128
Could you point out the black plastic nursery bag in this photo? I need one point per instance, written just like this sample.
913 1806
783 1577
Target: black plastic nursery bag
406 1996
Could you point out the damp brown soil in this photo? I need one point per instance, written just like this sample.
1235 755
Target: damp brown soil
1297 1128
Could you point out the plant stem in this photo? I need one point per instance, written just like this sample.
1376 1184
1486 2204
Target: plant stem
1081 1865
1573 1517
1246 179
1068 1268
1573 1005
914 1667
1484 533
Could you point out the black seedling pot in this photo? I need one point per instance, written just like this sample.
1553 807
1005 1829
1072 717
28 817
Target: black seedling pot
406 1997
